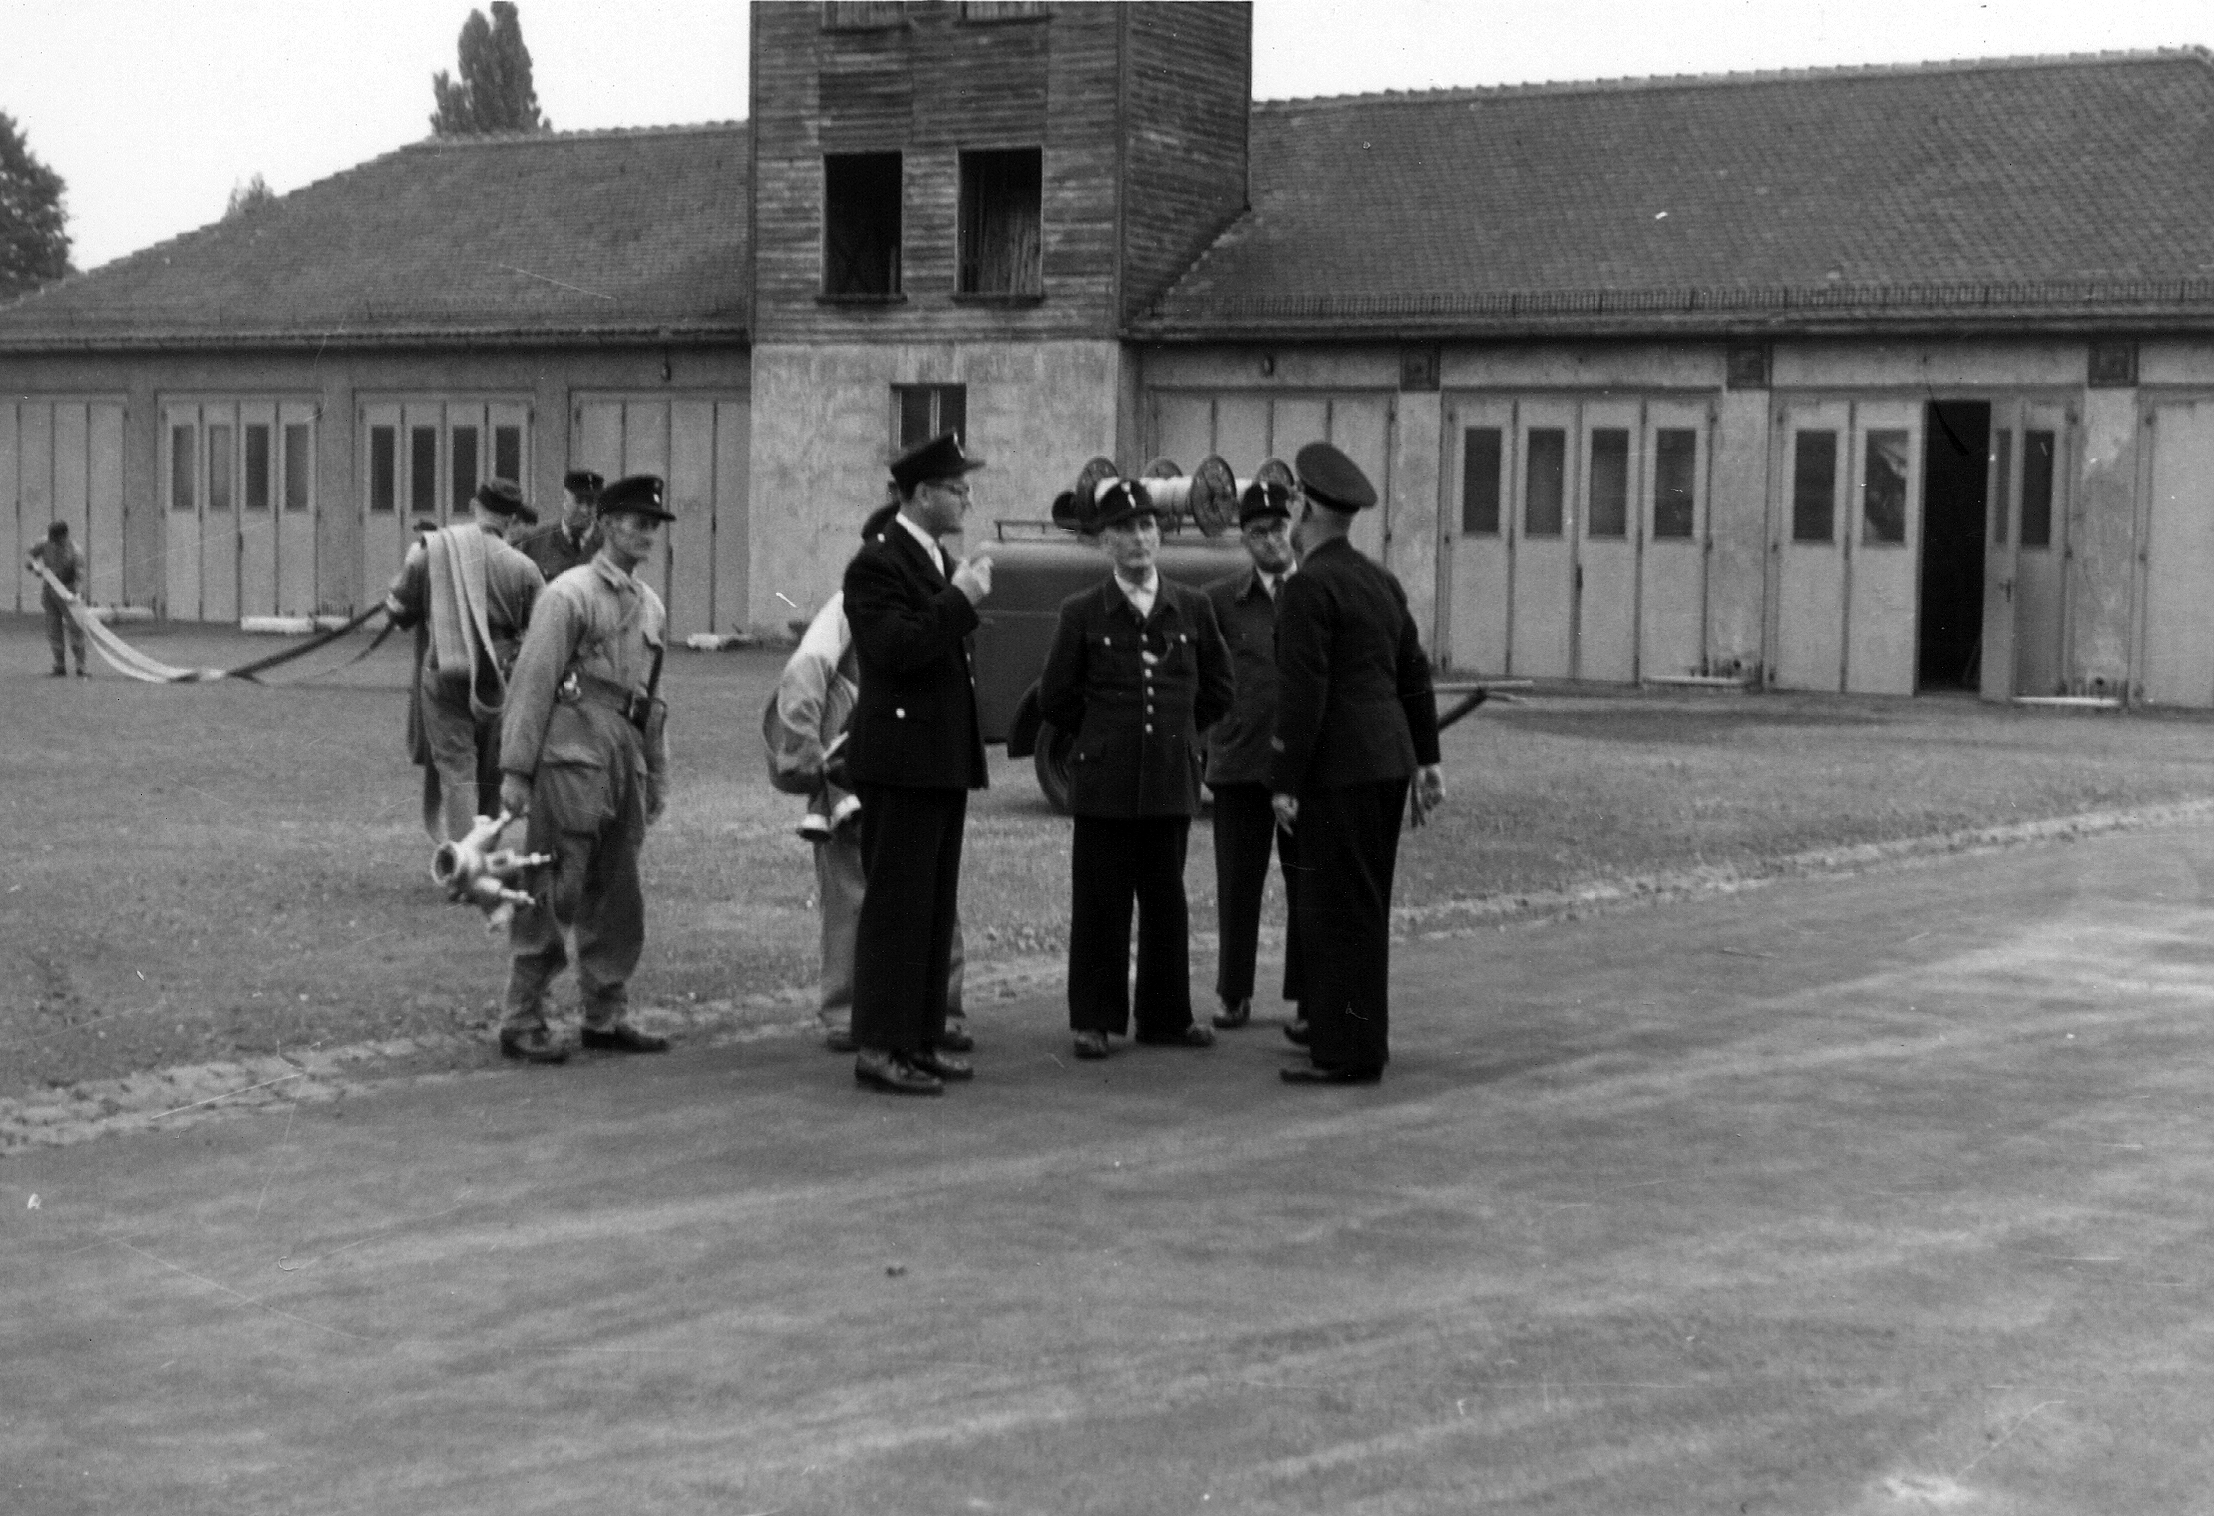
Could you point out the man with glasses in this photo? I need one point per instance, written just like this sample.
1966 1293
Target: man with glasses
914 750
1238 758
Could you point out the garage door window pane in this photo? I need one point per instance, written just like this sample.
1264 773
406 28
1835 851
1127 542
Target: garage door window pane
2002 482
1610 483
422 448
296 458
1814 487
464 444
384 469
1675 483
181 468
507 452
220 467
2037 489
1542 482
1883 490
257 468
1481 446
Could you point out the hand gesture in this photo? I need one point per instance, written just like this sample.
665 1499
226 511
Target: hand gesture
1287 810
973 577
515 795
1427 794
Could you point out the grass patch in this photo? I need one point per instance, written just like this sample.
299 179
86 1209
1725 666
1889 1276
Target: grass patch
215 871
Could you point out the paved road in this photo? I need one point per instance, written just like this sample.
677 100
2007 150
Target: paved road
1885 1193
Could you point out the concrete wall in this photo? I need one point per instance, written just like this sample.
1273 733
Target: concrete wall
822 436
338 382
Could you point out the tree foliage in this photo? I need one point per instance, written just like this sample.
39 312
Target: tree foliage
34 242
249 197
494 92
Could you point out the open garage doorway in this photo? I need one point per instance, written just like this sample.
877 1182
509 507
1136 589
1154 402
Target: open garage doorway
1955 469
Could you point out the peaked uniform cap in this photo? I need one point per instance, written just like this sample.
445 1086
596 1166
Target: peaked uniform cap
582 481
939 458
1118 501
1332 479
502 497
639 494
1263 497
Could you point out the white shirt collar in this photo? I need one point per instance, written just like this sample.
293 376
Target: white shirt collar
930 543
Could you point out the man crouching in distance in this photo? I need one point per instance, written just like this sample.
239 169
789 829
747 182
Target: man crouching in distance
1137 672
583 754
1356 718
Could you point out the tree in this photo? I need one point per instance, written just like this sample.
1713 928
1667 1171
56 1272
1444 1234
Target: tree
494 93
34 245
249 197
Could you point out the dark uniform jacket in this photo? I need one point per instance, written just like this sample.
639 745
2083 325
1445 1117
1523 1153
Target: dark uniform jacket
555 551
61 560
1354 703
1238 749
914 725
1137 725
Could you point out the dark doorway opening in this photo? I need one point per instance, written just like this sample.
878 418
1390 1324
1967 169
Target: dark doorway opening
1958 445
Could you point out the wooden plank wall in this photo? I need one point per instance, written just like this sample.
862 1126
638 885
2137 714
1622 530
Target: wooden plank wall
1191 85
929 88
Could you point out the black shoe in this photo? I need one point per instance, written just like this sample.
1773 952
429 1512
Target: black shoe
841 1040
1234 1014
622 1037
942 1064
1316 1074
538 1045
1091 1044
886 1072
59 674
1193 1036
81 674
1296 1031
956 1039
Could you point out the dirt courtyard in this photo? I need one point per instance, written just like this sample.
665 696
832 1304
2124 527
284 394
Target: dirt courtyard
1868 1194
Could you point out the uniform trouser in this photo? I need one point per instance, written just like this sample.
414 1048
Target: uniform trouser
455 780
1348 848
61 625
596 895
839 883
1113 863
1245 828
903 940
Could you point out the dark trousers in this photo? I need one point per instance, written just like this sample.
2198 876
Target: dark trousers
1114 863
1245 827
1348 848
596 895
59 625
903 944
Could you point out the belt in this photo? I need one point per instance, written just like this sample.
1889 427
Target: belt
581 688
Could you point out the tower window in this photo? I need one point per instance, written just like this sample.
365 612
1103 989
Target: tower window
1002 222
861 224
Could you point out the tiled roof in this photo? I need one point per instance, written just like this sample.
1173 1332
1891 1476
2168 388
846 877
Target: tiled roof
588 234
1939 193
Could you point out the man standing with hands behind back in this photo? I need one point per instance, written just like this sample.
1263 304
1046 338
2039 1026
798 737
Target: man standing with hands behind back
1355 720
914 751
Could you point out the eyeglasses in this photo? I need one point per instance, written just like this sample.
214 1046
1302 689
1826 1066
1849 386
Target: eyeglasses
959 488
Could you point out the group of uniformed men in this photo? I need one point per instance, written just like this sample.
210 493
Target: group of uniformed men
1297 688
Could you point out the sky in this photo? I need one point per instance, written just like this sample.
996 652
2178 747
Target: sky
153 110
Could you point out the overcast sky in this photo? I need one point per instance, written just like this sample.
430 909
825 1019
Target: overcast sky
153 109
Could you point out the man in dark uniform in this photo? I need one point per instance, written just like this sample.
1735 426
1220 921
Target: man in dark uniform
1355 719
914 751
1137 671
575 538
60 558
582 754
1238 756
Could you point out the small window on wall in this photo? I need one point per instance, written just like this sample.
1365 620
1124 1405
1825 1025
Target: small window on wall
384 469
1481 447
182 472
921 411
861 225
257 467
1610 482
422 467
507 453
222 466
463 440
2002 482
2037 489
297 457
1544 479
1675 482
1883 490
1814 487
1001 221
